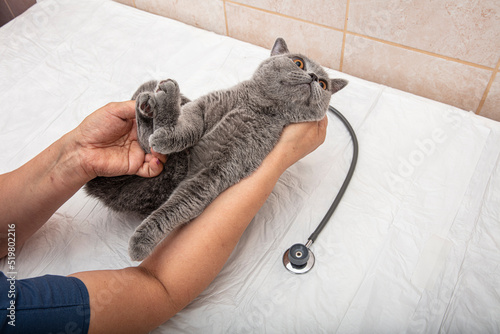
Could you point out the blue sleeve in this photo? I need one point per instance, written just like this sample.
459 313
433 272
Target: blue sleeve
46 304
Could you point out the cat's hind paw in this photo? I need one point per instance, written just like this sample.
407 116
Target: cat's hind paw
169 86
145 104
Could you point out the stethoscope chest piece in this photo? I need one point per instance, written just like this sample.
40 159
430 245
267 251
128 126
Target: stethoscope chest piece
298 259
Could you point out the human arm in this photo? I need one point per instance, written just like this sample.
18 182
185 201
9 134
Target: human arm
104 144
190 257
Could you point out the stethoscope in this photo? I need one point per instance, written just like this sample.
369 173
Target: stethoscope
299 258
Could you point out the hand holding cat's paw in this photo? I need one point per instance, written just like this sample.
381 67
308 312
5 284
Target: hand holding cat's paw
145 104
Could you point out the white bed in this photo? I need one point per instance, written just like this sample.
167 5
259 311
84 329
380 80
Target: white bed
414 246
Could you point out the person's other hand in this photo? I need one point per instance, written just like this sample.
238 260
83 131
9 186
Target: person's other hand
300 139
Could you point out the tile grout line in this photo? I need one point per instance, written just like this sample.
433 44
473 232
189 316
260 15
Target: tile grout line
225 17
487 89
428 53
10 10
345 31
344 36
283 15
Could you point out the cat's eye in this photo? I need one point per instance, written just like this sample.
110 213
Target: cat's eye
322 84
298 62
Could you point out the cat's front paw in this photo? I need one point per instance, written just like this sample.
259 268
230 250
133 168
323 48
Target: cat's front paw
145 104
160 142
140 245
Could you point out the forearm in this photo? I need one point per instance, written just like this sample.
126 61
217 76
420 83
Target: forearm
33 192
207 242
104 144
184 264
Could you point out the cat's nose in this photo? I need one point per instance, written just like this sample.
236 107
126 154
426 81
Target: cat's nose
314 77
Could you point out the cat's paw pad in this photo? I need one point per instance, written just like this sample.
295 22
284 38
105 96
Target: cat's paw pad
145 104
169 86
140 246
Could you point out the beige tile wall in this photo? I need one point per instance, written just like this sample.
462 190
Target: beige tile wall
446 50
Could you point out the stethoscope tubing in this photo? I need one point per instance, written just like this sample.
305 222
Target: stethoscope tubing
312 238
299 259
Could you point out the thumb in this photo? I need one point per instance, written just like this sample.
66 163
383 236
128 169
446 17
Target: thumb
150 168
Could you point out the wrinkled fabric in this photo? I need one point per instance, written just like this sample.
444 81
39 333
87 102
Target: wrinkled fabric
413 247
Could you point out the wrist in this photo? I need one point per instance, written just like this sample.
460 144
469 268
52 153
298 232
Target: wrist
42 185
70 165
276 162
282 157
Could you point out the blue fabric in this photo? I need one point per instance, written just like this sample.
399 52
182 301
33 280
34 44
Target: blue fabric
46 304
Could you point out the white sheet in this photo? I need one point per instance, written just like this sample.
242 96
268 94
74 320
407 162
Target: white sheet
413 247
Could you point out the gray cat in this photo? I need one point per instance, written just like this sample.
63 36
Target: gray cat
212 142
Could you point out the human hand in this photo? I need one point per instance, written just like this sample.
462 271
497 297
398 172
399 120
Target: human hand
298 140
107 144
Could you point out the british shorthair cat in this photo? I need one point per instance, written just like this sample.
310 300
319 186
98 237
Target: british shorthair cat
212 142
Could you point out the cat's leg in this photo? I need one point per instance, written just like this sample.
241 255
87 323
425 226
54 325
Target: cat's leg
177 123
187 202
185 133
158 105
167 100
160 112
144 112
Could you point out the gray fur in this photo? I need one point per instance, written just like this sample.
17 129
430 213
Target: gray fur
212 142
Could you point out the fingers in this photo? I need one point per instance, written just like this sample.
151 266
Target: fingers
124 110
150 168
159 156
153 165
307 132
300 139
322 125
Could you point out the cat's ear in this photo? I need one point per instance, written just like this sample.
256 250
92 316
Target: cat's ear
337 84
279 47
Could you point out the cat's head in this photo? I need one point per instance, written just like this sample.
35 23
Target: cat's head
294 79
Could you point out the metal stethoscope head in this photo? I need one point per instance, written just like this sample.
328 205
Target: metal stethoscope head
299 258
